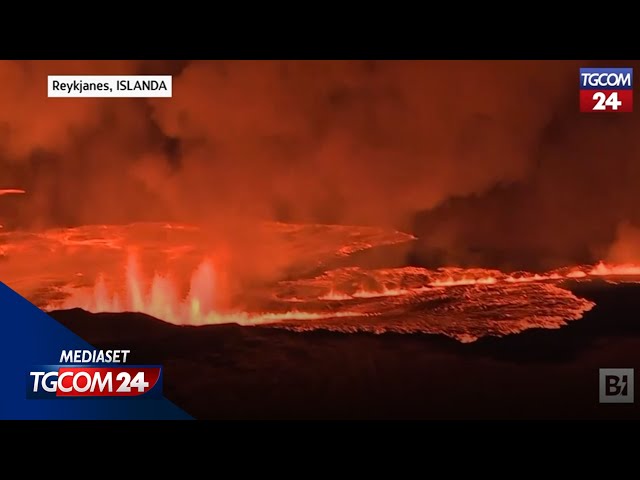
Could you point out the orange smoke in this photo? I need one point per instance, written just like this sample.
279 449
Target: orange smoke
10 191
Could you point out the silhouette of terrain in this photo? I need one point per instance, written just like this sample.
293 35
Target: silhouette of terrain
235 372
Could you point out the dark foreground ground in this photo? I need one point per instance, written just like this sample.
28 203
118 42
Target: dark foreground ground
233 372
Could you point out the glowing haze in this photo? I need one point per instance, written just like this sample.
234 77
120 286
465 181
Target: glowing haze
496 152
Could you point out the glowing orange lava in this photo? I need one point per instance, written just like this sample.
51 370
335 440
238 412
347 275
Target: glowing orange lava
388 292
163 301
335 296
576 274
452 282
602 269
87 267
447 279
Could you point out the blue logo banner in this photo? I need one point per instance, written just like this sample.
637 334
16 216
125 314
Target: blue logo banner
30 337
606 78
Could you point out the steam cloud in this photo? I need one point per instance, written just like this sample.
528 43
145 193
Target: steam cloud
495 152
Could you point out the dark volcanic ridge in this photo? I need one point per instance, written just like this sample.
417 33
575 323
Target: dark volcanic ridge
238 372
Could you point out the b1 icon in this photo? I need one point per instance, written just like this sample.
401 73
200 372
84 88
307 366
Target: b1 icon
616 385
606 90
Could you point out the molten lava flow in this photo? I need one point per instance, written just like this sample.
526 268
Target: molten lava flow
353 287
452 282
364 293
388 292
532 278
602 269
319 288
162 300
334 296
463 312
576 274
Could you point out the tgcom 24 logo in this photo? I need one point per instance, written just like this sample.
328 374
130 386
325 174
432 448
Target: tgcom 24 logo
606 90
93 373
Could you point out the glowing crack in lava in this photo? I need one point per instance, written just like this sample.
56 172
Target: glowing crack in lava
90 267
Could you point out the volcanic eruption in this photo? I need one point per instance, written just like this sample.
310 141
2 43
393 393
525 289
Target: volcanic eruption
166 275
342 196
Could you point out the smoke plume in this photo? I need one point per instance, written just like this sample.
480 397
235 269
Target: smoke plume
493 153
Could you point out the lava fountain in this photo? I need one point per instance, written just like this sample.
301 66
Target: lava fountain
161 299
